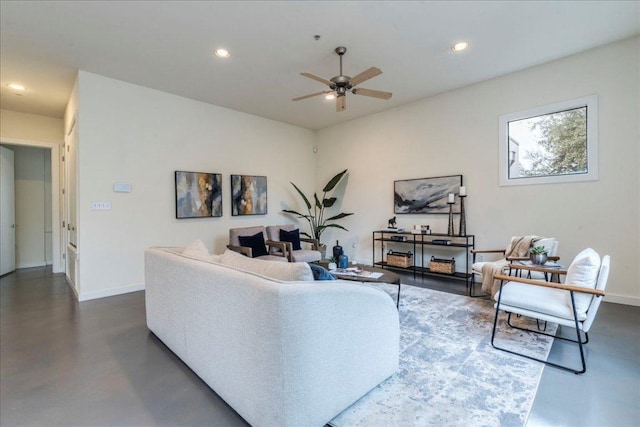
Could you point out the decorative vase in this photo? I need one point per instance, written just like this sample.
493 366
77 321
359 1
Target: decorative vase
337 250
538 259
343 261
322 248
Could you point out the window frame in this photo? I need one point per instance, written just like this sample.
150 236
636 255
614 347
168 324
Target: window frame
591 103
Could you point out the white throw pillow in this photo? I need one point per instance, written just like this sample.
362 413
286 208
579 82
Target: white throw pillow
197 250
583 272
549 244
287 271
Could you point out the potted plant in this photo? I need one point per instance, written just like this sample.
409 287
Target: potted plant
315 215
538 255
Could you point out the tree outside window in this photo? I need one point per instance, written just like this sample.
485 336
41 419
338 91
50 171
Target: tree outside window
555 143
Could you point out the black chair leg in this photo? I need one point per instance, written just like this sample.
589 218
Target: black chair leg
578 340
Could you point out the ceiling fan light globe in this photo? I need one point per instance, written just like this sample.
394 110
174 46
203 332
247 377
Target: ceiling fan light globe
460 46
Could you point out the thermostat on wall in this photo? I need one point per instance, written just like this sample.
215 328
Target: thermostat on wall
122 187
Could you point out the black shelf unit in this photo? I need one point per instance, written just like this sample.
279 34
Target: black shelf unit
419 241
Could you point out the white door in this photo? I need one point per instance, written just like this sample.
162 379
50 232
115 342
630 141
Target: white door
7 212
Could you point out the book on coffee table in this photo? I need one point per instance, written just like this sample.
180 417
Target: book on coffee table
356 272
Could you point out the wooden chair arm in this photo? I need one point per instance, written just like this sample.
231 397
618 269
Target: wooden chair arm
289 252
486 251
526 258
244 250
564 287
539 268
315 244
280 245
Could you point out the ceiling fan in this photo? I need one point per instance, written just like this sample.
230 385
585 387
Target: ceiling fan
341 84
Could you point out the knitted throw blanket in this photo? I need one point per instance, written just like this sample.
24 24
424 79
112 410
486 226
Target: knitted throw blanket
518 247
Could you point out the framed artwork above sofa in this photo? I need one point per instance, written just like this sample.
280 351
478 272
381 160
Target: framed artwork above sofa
198 194
248 195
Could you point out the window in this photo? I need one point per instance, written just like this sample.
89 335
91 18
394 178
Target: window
550 144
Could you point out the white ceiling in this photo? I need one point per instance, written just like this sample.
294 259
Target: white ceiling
169 45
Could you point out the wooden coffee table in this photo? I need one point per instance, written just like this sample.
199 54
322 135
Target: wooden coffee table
387 277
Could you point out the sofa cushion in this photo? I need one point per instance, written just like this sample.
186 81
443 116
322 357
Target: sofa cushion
256 243
287 271
538 299
198 250
291 236
583 272
321 273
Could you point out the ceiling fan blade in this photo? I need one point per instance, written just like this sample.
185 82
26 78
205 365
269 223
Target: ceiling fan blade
313 94
365 75
341 103
316 78
373 93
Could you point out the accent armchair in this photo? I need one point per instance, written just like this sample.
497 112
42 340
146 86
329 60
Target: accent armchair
290 235
517 250
251 241
573 304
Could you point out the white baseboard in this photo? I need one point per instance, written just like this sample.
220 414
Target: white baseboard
622 299
86 296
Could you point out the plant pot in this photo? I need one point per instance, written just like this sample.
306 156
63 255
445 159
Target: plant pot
538 259
332 266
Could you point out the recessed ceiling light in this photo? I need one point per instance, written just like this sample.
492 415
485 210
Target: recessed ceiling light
460 46
222 53
330 96
16 86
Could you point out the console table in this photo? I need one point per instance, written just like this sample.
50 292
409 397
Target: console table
418 242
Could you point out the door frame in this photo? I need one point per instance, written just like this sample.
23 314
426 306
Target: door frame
56 225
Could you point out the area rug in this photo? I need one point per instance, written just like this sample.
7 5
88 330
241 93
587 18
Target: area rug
449 373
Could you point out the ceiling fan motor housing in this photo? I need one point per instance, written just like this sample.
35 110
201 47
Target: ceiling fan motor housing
341 82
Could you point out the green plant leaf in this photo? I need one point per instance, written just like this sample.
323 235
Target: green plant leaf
334 181
296 213
340 215
306 201
329 202
318 204
335 226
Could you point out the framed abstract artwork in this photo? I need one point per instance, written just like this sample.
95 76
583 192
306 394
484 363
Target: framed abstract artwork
426 195
198 194
248 195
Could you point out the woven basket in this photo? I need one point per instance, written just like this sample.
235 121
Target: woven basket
446 266
400 259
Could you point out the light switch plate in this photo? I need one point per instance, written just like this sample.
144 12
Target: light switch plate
100 206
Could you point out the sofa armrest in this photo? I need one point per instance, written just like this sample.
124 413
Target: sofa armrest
244 250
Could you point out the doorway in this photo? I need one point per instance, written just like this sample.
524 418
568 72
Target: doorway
37 204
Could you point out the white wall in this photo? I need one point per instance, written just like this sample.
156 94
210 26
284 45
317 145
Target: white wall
132 134
14 125
457 133
32 166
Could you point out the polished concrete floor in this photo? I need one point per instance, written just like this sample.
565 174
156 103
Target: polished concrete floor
95 364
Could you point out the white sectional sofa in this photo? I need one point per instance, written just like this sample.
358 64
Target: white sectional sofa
281 353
